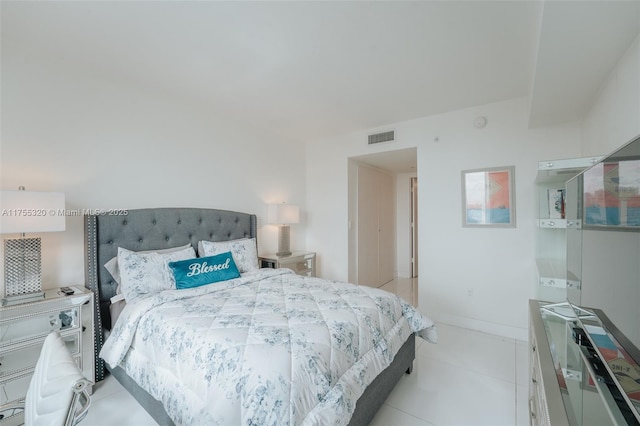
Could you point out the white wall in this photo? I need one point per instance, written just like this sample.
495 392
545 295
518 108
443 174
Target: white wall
614 117
495 265
110 144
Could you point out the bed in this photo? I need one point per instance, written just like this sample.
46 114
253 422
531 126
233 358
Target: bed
175 392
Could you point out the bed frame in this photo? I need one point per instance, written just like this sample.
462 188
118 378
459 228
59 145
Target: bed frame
159 228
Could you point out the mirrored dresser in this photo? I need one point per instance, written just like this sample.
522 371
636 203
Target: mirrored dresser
580 372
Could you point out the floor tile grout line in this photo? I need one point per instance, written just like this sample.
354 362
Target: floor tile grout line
511 385
423 356
408 414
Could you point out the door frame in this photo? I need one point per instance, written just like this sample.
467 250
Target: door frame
414 226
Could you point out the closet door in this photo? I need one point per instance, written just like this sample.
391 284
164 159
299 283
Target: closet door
367 227
376 229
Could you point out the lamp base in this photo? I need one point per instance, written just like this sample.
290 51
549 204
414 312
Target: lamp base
283 241
22 266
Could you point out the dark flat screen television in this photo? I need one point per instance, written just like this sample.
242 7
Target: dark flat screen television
603 260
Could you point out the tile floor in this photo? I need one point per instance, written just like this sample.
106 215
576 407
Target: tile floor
468 378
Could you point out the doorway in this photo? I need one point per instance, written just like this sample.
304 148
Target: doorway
402 247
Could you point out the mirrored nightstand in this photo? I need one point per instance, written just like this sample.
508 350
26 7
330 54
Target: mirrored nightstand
23 329
301 262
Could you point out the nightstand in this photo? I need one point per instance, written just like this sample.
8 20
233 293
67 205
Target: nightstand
23 329
301 262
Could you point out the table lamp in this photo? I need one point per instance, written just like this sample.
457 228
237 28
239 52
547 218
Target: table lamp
283 215
27 212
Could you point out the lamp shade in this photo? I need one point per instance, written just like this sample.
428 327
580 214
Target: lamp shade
31 211
283 214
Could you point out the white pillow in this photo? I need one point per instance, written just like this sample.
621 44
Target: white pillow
145 273
244 252
113 268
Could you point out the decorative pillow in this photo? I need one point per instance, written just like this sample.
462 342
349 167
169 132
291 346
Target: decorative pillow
113 268
144 273
244 252
204 270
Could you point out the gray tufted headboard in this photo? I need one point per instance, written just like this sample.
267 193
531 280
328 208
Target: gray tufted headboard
149 229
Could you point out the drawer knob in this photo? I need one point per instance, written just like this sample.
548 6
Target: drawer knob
55 323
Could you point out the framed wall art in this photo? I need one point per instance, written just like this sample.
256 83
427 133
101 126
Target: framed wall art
488 197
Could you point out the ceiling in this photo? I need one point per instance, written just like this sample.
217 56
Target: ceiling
580 42
306 70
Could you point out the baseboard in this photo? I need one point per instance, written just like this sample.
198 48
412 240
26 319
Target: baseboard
486 327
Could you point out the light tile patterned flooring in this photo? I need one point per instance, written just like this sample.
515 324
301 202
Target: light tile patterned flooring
468 378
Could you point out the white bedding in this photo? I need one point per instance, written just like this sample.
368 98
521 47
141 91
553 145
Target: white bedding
268 348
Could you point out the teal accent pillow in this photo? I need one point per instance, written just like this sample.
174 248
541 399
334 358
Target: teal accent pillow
204 270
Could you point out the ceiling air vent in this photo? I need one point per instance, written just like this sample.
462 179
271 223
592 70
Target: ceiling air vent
381 137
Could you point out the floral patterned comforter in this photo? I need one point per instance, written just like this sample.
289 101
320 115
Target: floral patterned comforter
268 348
